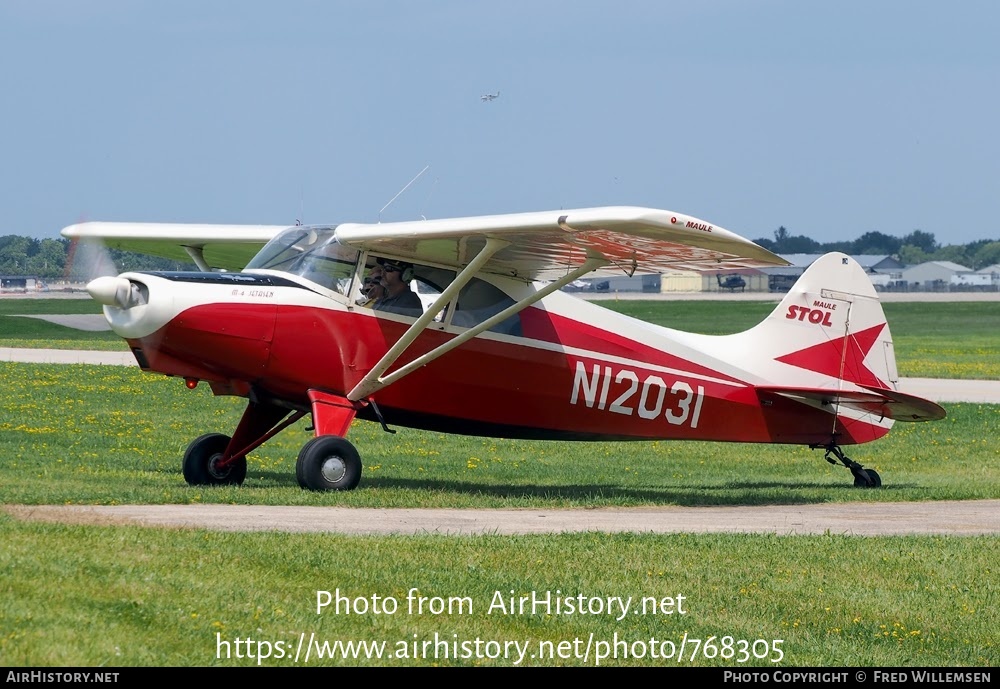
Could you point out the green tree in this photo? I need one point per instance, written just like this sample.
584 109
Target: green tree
785 243
49 260
923 240
14 254
952 252
911 255
986 255
876 243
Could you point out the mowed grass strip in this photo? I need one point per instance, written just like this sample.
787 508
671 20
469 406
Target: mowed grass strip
127 596
932 340
109 435
33 333
42 306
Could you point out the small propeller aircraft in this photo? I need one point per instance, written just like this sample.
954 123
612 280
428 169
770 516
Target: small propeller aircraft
501 351
487 97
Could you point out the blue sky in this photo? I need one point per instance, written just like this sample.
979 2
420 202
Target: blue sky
832 119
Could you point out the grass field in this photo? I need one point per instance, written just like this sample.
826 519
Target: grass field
75 595
114 434
87 596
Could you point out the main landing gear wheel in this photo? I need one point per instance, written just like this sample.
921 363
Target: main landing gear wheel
863 478
328 462
201 462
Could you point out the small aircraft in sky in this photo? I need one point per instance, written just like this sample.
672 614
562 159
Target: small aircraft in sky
487 97
500 351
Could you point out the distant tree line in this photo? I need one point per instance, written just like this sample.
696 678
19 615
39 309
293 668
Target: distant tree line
49 259
916 247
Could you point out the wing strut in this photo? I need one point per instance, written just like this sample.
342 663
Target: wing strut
375 380
197 254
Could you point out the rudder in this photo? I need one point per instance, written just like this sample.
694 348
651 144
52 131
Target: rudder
830 324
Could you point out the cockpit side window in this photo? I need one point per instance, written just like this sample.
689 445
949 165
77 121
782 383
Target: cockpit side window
480 300
414 287
476 302
331 270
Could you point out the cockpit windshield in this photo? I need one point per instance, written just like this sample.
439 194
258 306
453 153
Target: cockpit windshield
312 253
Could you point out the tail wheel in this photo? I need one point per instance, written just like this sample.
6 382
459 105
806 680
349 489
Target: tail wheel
867 478
202 460
863 478
328 462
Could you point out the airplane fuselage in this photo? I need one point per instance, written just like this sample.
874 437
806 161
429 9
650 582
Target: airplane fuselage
573 370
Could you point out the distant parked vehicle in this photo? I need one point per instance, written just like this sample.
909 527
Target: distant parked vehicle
731 282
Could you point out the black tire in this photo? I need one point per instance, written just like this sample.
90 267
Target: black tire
328 462
874 480
200 460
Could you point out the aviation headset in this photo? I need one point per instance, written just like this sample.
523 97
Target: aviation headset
404 269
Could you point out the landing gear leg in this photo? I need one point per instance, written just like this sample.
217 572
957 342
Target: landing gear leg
329 461
863 478
218 459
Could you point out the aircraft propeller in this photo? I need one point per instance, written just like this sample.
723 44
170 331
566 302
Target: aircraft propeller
90 261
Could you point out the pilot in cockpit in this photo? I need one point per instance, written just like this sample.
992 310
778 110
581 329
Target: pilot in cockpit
372 289
399 298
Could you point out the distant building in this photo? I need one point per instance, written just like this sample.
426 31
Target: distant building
872 263
680 281
19 283
994 272
884 270
933 275
636 283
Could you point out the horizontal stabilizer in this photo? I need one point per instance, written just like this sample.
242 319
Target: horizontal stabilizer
888 404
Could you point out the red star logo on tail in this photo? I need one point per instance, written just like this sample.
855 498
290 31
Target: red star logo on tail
826 357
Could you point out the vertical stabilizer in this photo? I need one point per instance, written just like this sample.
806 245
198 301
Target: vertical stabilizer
829 328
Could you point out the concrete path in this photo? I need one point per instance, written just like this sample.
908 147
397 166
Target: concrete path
944 390
91 322
972 517
66 356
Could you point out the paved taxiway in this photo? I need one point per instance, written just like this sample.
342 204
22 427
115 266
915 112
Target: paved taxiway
960 518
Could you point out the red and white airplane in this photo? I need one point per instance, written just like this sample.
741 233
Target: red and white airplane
501 352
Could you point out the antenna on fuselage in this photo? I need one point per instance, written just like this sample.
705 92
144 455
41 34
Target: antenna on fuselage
422 217
401 191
